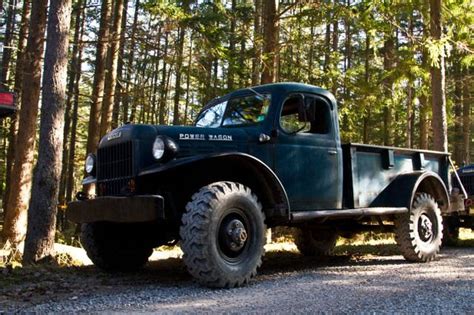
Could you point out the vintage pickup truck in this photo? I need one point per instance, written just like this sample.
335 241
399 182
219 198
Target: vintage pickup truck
258 157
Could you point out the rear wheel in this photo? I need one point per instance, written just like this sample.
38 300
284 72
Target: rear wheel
312 242
115 247
419 232
223 234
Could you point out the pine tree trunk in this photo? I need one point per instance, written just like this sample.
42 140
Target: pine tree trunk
111 75
365 133
72 75
179 64
458 152
270 41
119 85
467 133
232 40
99 77
188 79
438 84
163 86
389 64
20 186
12 135
44 195
7 43
130 61
257 37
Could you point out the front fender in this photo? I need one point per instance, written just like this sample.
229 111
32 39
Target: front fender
401 191
268 181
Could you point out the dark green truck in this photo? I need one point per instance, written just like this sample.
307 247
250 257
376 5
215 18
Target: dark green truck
256 158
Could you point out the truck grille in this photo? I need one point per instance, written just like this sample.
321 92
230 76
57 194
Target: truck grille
115 167
468 183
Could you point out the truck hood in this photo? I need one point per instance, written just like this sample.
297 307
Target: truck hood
191 140
195 140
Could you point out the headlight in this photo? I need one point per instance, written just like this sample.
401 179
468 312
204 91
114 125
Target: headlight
158 148
90 164
164 148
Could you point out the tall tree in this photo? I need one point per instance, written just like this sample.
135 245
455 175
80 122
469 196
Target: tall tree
44 202
72 79
112 65
99 76
19 197
130 61
7 42
270 40
438 83
467 131
22 39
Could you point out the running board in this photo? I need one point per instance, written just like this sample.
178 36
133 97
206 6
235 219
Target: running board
344 213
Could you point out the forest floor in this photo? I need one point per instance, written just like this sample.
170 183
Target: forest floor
79 286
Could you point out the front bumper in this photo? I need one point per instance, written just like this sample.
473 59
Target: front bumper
117 209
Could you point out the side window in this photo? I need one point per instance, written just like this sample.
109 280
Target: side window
315 119
321 122
290 121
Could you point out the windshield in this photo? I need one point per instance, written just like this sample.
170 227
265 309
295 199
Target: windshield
235 112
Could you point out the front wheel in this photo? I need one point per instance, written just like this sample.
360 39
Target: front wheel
419 233
223 234
115 246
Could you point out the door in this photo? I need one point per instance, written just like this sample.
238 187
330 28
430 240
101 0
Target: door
307 154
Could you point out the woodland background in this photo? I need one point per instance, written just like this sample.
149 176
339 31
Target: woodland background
402 72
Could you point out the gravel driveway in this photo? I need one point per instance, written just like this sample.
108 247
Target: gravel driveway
288 283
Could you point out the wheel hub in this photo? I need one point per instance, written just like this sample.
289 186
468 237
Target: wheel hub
236 235
425 228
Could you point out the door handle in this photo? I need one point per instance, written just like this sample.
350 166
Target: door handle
332 152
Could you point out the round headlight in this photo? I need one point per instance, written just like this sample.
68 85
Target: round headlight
90 164
158 148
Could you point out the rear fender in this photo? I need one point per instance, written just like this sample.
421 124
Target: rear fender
401 191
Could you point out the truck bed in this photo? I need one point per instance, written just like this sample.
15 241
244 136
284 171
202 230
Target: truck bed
369 169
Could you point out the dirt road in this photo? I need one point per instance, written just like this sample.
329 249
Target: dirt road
287 283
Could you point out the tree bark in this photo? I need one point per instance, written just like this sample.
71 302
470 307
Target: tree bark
111 76
270 41
99 77
18 199
232 40
130 61
179 64
162 115
75 109
119 84
257 37
7 43
458 150
12 135
72 75
389 64
467 133
44 197
438 84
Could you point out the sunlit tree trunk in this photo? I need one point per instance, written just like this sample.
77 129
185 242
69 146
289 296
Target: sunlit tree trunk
44 197
99 77
22 39
20 185
112 64
438 84
270 41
